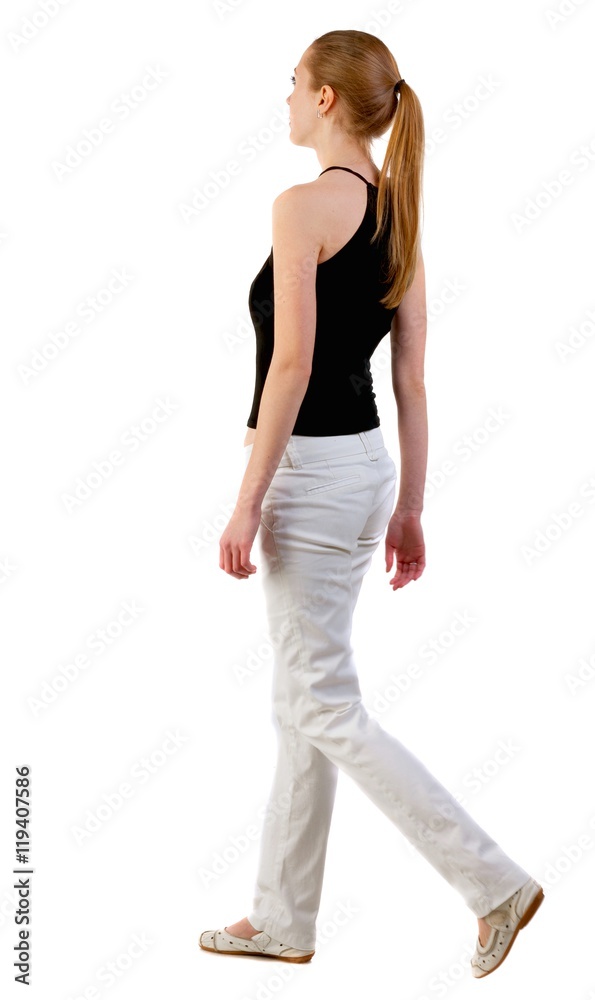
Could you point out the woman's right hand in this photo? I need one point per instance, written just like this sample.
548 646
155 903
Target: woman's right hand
405 541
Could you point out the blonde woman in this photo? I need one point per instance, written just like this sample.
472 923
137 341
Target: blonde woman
319 491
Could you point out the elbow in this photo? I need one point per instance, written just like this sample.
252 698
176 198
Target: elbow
292 367
409 388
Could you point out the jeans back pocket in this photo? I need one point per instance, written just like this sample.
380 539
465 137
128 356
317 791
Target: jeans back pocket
334 484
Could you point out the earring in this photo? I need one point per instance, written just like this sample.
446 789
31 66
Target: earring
318 115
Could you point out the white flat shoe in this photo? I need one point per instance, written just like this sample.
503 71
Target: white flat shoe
261 944
506 921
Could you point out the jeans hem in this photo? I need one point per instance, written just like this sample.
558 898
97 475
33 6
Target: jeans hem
280 933
498 894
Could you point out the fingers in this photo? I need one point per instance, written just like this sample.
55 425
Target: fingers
406 572
236 562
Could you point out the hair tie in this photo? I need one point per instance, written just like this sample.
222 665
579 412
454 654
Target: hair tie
397 86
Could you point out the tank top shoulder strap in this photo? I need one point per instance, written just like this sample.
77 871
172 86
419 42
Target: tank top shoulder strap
350 171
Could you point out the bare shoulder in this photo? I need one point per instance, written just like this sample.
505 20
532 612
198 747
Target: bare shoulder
297 228
301 201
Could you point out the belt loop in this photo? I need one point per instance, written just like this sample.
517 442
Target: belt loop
293 453
368 446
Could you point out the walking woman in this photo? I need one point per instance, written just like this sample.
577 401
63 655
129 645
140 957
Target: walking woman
319 492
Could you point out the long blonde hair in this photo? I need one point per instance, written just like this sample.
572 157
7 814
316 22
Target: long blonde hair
362 71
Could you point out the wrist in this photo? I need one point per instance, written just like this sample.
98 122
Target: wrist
407 512
248 504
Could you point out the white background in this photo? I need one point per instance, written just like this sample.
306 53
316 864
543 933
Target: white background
147 534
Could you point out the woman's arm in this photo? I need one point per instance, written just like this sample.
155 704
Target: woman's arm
404 538
296 249
408 342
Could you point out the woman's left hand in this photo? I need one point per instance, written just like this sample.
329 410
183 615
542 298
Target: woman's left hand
236 542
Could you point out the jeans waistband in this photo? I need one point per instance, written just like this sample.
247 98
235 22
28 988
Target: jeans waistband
302 448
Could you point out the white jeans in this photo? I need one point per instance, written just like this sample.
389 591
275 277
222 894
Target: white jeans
323 516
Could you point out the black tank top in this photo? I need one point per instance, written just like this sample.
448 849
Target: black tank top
350 323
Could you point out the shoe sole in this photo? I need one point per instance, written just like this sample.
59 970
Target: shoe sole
257 954
526 917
